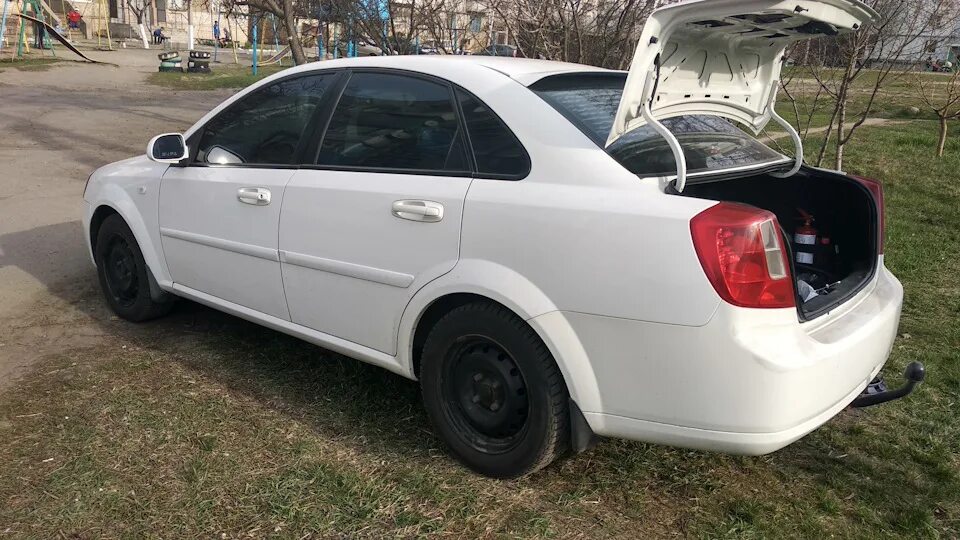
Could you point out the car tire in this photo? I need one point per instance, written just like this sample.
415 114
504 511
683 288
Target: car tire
493 392
122 273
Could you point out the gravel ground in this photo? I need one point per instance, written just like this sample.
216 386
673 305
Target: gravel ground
56 126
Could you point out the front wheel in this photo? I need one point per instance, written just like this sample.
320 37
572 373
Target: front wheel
493 392
122 273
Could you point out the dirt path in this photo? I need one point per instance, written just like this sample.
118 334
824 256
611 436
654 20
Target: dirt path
814 131
56 127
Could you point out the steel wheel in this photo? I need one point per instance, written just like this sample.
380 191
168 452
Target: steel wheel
120 267
493 392
486 394
123 273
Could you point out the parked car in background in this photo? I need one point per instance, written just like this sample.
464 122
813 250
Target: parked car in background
363 49
499 50
430 47
555 251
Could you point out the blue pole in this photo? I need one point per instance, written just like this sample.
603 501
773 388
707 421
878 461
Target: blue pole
336 42
255 47
276 38
351 51
320 55
3 26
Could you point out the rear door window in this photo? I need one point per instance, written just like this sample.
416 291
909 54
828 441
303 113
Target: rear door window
390 121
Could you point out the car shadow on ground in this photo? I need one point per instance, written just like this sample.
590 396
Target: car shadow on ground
333 393
378 413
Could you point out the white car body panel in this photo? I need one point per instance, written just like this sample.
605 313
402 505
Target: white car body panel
347 258
202 219
131 187
600 263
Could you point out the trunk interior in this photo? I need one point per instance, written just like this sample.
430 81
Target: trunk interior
842 259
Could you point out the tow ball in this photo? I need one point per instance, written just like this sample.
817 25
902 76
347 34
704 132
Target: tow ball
876 392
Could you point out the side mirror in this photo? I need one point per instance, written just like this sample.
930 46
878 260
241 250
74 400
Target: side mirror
167 148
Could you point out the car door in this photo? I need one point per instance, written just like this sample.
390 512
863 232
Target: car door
219 214
378 213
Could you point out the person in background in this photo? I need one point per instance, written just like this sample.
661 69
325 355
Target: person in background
158 36
216 32
73 19
226 36
39 32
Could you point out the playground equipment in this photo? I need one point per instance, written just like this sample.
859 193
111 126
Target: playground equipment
38 18
199 62
170 61
103 21
277 58
51 31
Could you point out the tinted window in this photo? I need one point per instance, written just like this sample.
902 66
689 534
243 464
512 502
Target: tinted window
495 148
709 142
396 122
264 127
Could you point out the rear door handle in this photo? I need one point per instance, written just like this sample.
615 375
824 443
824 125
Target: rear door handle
417 210
257 196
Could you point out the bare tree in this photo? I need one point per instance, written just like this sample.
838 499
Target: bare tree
943 98
851 71
285 10
596 32
140 8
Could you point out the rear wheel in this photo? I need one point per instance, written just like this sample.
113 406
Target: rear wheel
493 392
123 273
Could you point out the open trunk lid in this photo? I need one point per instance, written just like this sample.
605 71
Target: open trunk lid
722 57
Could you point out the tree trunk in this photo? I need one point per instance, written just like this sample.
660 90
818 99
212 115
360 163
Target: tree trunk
841 120
942 141
293 33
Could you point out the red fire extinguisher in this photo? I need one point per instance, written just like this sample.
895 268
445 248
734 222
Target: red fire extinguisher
805 238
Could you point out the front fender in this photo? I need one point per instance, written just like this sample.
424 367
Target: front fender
520 295
112 196
131 187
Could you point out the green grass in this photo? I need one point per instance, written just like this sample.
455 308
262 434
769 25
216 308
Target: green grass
223 76
31 62
203 425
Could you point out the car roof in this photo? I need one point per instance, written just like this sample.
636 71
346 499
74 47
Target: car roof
524 70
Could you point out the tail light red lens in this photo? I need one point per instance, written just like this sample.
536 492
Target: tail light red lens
741 250
876 189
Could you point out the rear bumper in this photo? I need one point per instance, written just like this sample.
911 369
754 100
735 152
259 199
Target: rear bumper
747 382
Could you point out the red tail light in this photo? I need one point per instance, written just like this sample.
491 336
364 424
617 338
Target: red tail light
876 189
741 250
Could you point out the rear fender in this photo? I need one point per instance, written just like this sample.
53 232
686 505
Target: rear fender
526 300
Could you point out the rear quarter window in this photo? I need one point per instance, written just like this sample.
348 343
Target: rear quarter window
496 150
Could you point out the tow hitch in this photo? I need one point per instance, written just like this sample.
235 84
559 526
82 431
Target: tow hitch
876 392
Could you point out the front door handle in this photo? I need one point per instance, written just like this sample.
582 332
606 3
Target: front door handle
416 210
256 196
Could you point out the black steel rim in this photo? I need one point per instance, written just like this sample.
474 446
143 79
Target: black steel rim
485 395
120 270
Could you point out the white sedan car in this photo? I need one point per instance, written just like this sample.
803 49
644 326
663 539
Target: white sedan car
556 252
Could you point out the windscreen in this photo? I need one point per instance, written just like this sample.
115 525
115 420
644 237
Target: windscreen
710 143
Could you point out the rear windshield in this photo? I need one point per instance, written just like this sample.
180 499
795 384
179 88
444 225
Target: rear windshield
710 143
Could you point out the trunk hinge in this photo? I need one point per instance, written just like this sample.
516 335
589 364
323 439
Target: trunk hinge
653 79
797 142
